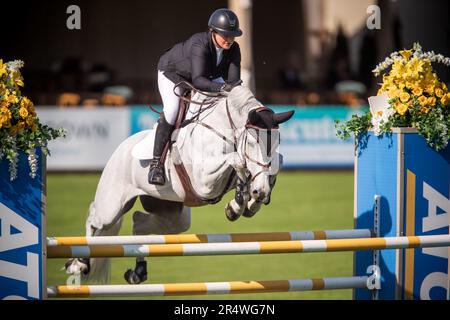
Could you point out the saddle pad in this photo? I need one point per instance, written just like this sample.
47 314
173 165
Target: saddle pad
143 150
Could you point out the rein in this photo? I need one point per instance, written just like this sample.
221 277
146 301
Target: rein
235 142
264 166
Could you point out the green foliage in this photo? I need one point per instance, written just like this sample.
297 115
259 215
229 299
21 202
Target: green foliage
356 125
20 129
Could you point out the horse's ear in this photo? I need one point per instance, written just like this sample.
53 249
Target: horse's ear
282 117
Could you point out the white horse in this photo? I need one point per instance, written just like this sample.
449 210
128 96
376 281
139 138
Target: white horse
222 146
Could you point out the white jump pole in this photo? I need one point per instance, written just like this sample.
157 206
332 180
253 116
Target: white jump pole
199 249
207 288
209 238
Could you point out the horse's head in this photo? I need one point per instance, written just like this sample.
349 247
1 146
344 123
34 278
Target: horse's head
259 150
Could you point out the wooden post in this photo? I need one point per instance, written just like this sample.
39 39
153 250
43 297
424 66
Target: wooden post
243 9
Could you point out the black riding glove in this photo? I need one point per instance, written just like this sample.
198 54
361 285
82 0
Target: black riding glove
227 87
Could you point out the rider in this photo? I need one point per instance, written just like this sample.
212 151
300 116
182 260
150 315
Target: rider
210 60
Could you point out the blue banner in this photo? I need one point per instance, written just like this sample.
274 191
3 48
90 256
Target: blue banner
427 206
308 140
22 233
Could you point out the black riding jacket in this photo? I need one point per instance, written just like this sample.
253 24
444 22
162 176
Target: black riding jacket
194 60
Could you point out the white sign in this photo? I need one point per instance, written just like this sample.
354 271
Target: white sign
92 136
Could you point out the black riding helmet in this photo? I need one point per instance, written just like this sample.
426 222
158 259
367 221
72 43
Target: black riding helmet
225 22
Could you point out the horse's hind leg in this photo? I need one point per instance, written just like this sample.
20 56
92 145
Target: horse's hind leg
161 217
104 219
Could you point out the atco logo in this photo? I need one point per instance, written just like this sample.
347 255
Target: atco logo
232 22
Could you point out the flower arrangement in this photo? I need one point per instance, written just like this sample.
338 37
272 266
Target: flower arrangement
413 96
19 125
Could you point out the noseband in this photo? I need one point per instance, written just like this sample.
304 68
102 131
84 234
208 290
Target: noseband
264 166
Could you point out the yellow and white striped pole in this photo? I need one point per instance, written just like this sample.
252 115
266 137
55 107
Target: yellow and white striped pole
199 249
207 288
209 238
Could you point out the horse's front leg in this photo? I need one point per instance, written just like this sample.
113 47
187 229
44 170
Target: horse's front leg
253 206
236 207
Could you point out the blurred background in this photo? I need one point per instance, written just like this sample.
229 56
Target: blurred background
298 51
315 56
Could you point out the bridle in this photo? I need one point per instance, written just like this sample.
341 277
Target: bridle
264 166
236 137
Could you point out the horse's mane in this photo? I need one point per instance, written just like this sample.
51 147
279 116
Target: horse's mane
240 98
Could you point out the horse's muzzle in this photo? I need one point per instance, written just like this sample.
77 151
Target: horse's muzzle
258 195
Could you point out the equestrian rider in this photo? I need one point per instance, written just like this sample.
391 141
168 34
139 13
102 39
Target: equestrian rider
210 60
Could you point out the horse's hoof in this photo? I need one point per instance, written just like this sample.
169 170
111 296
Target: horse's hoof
138 275
78 265
133 278
230 214
248 214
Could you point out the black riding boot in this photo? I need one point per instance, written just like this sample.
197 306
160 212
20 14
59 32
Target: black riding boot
162 136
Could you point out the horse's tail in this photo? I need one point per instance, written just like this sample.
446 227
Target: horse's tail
100 268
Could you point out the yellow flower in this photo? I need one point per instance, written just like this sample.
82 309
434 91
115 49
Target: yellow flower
27 103
6 113
30 121
429 89
394 92
11 97
21 126
431 101
439 92
424 109
17 78
417 91
2 68
423 101
416 66
23 112
24 102
398 69
404 97
380 91
405 54
401 108
409 85
445 99
444 87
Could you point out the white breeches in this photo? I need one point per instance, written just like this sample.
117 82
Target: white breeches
170 101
